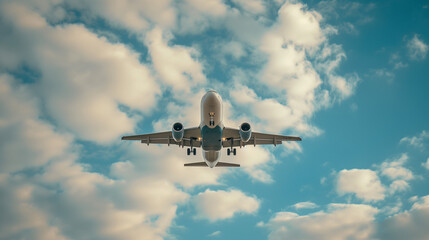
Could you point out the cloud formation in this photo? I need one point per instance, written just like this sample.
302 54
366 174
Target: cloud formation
364 183
86 90
340 221
218 205
417 49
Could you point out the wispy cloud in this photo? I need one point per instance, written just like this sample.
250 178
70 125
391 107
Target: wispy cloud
304 205
417 49
416 141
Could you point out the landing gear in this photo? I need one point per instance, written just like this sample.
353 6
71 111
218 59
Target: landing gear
231 150
191 150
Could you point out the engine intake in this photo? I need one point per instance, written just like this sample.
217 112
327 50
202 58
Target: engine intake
178 131
245 132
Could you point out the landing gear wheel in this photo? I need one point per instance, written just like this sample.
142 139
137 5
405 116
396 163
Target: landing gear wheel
188 151
195 151
235 151
228 151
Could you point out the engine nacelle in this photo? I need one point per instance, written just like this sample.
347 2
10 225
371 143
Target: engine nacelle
245 132
178 131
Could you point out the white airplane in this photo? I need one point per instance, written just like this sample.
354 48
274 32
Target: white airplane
211 135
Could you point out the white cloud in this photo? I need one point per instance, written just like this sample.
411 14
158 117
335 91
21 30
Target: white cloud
251 6
175 64
426 164
299 25
395 171
416 141
135 16
63 195
304 205
210 7
82 85
195 16
299 60
218 205
234 49
417 49
254 161
165 163
25 141
364 183
340 221
214 234
410 224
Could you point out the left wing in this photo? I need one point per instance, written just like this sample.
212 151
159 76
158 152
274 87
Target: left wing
232 138
190 134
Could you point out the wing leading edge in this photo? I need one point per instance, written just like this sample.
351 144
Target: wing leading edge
232 138
190 135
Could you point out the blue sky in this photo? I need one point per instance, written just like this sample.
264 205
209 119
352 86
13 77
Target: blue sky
350 78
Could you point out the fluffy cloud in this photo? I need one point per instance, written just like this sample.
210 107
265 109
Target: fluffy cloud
82 85
135 16
254 161
175 65
408 224
395 171
218 205
299 60
364 183
48 195
26 141
340 221
416 141
417 49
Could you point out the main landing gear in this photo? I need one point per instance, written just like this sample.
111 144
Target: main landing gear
233 150
193 150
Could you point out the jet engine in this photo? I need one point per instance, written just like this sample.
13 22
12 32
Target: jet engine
178 131
245 132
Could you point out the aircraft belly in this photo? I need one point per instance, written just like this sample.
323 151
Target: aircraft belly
211 138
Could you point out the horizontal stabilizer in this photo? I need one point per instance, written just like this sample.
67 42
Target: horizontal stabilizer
196 164
225 164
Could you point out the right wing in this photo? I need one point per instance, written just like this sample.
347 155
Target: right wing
190 134
232 137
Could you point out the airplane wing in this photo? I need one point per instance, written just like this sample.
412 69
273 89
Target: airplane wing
190 134
232 137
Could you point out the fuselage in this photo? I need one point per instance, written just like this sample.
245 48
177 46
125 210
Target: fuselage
211 127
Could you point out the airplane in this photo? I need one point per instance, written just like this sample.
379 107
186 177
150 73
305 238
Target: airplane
211 135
